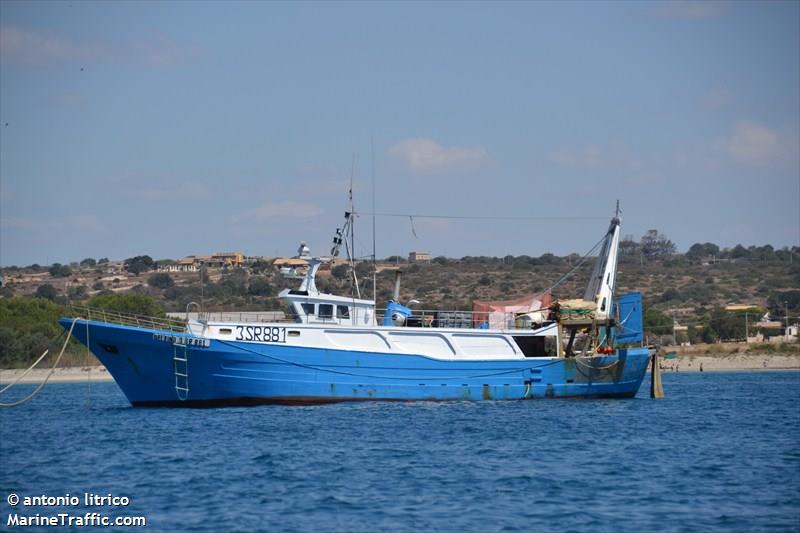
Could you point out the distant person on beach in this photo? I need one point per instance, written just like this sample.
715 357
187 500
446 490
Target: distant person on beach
701 367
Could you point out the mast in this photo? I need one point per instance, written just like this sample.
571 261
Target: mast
374 258
600 289
346 235
351 248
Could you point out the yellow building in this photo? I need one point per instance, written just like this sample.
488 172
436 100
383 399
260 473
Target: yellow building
419 257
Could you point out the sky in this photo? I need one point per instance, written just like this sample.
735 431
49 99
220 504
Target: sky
176 128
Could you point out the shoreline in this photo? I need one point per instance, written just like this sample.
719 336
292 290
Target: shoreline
66 374
685 362
690 361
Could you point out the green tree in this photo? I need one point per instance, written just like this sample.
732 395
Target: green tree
340 271
655 244
77 292
550 259
259 287
727 326
656 322
137 304
364 269
57 270
709 335
775 302
27 327
140 263
670 294
739 252
700 293
160 280
701 251
629 247
46 291
260 266
88 262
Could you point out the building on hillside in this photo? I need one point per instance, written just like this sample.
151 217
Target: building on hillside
419 257
193 263
186 264
226 259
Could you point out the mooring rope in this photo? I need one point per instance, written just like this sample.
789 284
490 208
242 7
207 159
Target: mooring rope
606 367
46 379
88 369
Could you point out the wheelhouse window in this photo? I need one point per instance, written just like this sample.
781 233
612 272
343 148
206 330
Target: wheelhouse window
325 311
308 309
342 311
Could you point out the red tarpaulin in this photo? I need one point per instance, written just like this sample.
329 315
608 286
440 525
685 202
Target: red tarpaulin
500 314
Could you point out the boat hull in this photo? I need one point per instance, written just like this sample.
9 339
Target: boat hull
222 373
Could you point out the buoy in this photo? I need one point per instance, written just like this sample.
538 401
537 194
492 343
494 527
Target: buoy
656 388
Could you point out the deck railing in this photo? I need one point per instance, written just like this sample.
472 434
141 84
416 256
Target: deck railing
425 318
233 316
128 319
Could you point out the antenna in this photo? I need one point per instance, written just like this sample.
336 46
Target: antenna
351 252
374 259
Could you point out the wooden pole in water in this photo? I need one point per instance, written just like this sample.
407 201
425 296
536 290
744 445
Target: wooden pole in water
656 389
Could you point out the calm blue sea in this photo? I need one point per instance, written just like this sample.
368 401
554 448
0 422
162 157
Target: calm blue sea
720 452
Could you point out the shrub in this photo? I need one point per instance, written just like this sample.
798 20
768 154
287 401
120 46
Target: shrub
140 263
160 281
137 304
57 270
259 287
46 291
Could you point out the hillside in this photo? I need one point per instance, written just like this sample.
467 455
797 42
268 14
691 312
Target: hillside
688 287
689 290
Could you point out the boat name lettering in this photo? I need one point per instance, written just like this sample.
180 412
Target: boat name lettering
259 333
182 341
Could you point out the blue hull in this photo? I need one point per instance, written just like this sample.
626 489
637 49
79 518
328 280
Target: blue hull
220 373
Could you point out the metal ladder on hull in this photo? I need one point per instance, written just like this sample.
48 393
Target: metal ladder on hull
180 361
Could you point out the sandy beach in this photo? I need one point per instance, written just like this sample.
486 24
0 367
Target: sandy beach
730 362
74 374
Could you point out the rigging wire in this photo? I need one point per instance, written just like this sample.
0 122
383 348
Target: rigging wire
563 278
475 217
47 378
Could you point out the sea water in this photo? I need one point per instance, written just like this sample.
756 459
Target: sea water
720 452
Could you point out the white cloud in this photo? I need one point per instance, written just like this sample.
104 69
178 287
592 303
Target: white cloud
285 209
690 9
26 46
746 145
425 156
755 144
18 45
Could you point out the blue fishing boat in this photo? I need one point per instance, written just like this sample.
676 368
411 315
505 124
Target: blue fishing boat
333 348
